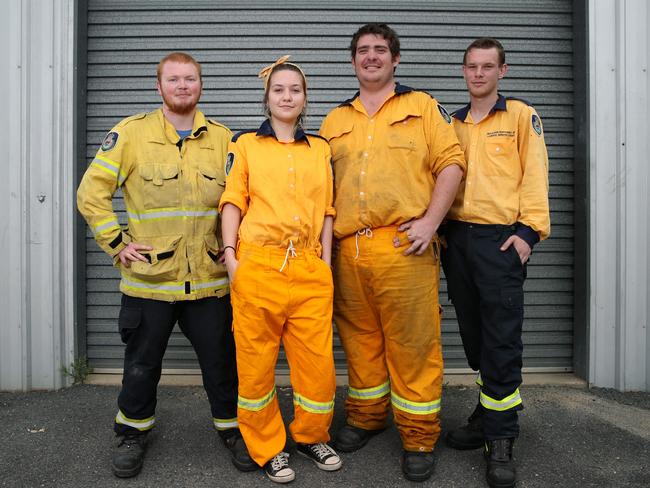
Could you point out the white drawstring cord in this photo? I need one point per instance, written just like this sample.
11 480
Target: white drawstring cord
290 250
363 232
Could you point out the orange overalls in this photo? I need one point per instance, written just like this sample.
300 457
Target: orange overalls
282 290
386 304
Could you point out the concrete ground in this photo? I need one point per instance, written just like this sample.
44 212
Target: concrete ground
571 437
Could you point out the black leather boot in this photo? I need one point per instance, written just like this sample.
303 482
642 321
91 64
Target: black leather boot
501 472
234 441
468 436
128 455
417 466
351 438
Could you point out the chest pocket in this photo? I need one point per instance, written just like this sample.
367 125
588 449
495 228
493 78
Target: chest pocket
404 132
501 157
211 184
160 185
340 141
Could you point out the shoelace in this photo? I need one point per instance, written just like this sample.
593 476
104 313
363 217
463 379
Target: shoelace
363 232
280 461
500 450
130 440
290 251
321 450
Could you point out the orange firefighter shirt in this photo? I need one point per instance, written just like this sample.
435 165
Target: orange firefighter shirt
385 166
284 190
507 170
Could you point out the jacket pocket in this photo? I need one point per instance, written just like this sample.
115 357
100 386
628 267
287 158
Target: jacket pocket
211 184
160 185
208 263
163 259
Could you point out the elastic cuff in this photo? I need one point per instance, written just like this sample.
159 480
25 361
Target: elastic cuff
527 234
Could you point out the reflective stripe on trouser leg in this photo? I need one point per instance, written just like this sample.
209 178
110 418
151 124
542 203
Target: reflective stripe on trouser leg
407 344
140 424
215 349
257 325
356 320
225 424
506 403
498 277
145 326
307 340
261 297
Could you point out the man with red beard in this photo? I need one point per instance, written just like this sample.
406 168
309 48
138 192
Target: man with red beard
169 165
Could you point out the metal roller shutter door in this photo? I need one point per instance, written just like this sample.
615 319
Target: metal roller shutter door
125 40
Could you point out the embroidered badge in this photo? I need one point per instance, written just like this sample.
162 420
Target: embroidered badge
537 124
230 160
109 141
445 114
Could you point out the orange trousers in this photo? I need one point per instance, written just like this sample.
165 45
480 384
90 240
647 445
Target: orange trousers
293 306
387 313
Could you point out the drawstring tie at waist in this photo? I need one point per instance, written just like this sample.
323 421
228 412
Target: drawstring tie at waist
362 232
291 251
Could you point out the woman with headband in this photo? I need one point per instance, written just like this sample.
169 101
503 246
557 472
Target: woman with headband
277 232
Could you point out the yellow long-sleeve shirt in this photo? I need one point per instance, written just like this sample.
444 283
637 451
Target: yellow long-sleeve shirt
507 170
284 190
385 166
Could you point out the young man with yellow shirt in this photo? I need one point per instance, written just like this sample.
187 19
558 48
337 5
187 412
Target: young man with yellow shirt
169 166
397 165
501 211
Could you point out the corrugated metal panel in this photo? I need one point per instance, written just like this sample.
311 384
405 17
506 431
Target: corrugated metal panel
127 38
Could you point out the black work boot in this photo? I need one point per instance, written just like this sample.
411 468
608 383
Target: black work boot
234 441
417 466
501 472
128 455
351 438
468 436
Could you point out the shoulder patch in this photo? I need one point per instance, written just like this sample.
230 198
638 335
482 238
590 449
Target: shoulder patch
537 124
444 113
109 141
230 160
241 133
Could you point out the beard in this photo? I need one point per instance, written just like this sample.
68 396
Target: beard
181 108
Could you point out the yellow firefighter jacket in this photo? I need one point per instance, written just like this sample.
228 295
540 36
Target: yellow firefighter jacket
171 190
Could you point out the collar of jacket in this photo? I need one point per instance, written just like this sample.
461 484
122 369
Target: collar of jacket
266 129
399 90
169 131
461 113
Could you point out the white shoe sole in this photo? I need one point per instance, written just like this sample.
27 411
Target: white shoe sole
324 467
282 479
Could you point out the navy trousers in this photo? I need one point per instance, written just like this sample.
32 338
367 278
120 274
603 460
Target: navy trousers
485 285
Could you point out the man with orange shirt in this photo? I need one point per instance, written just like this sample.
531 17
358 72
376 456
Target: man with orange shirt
397 165
501 211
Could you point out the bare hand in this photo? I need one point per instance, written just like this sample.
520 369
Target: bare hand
419 233
521 246
231 265
130 253
221 259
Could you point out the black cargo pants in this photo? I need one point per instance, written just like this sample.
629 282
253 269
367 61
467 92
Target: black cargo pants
145 326
485 285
